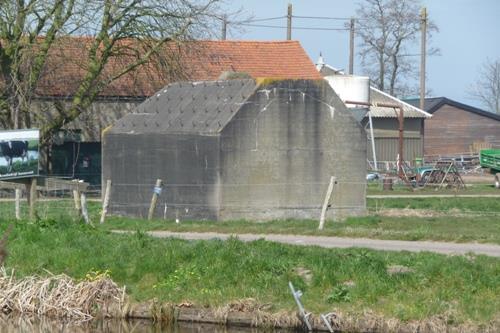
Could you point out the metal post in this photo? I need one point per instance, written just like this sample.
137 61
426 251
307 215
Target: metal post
351 47
372 140
423 28
289 23
297 294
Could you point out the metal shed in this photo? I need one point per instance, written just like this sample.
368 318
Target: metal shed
237 149
385 128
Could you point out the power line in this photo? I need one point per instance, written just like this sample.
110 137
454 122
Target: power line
265 19
323 18
293 27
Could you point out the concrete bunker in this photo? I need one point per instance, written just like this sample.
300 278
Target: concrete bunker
237 149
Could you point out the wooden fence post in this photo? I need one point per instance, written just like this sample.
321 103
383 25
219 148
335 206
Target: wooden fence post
325 203
76 198
85 213
32 196
18 204
154 199
105 203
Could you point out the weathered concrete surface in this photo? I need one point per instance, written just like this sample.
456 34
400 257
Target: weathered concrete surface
187 164
283 146
237 149
341 242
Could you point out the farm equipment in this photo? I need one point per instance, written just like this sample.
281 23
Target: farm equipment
490 158
444 174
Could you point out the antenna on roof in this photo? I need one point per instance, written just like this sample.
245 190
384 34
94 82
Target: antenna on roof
320 63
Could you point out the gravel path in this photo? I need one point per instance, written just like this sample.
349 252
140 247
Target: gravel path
385 196
342 242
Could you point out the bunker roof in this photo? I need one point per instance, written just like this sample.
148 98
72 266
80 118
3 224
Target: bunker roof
204 107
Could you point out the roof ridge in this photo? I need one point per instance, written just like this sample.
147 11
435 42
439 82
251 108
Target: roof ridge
427 114
246 41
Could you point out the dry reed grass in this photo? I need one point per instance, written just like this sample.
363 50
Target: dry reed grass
59 296
260 314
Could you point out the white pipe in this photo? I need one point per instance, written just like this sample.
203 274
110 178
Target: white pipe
372 140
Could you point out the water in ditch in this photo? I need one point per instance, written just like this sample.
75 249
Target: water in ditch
17 324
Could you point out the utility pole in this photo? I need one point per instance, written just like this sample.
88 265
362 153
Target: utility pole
351 47
289 22
423 28
224 27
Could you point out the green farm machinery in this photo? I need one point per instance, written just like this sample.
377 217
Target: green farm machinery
490 158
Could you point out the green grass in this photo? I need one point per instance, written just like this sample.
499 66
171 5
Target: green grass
375 188
475 205
213 273
457 220
468 229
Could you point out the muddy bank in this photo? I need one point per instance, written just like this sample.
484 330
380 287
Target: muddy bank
35 324
363 322
97 296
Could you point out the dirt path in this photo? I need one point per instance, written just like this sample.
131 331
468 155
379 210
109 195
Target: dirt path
384 196
341 242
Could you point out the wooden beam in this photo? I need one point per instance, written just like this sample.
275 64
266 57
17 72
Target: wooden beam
326 202
105 202
32 196
156 192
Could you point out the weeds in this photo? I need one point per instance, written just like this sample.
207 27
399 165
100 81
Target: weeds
340 293
214 273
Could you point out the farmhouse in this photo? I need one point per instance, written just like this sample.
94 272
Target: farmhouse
76 149
237 149
384 122
457 128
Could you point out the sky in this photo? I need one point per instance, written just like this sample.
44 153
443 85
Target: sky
469 34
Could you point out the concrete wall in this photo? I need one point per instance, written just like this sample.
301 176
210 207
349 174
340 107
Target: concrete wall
272 160
187 164
279 151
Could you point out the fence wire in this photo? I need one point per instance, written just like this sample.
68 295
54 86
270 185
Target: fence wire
189 199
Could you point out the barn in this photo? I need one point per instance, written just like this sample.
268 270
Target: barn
458 129
237 149
75 151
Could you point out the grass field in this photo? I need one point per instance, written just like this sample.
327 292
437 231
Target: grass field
212 273
468 229
474 206
375 188
444 219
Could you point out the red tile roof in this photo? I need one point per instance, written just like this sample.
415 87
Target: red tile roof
200 60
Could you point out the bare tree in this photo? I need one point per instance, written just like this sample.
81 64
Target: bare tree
119 37
486 89
389 30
